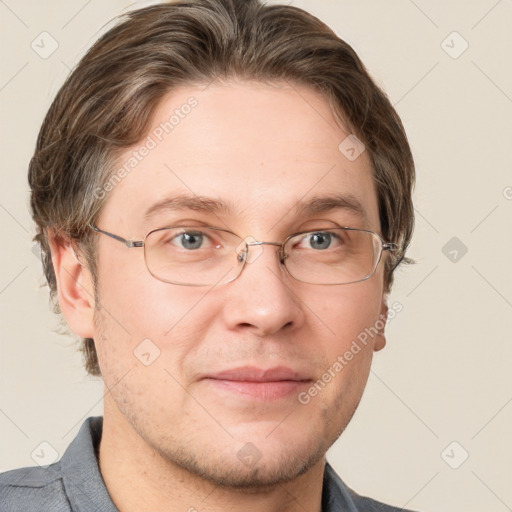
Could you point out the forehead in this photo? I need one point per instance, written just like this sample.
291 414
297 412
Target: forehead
246 151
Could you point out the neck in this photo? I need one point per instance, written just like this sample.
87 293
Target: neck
139 479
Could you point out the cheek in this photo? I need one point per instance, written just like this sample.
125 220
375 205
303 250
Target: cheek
350 319
348 311
145 321
141 304
141 370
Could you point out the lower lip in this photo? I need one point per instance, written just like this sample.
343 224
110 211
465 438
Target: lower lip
267 391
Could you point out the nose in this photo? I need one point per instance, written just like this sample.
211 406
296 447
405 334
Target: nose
263 298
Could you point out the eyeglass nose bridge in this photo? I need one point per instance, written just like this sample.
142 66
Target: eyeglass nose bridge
244 255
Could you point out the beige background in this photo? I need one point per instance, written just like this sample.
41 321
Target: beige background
445 374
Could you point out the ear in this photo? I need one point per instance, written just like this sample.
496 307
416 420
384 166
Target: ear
380 339
75 290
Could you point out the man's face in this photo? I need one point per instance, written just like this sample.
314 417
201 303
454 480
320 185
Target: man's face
262 149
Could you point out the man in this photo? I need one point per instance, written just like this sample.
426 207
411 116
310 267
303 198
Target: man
222 195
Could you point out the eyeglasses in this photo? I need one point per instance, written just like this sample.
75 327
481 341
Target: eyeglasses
207 256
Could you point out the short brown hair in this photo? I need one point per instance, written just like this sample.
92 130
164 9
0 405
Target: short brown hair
106 104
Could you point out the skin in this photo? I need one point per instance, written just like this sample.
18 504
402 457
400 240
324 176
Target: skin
170 438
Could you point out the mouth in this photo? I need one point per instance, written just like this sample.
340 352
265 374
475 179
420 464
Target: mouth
259 383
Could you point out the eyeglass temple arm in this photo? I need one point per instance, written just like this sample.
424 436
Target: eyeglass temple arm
389 246
128 243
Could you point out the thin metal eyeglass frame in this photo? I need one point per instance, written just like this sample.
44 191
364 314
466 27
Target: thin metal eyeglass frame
384 246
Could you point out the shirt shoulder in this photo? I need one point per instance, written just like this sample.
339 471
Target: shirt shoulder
74 483
338 496
36 489
365 504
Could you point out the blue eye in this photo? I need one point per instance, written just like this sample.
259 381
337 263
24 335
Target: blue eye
189 239
320 240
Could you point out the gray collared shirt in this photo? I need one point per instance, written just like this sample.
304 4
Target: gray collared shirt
74 483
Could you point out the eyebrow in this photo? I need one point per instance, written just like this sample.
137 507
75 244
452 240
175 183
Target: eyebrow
331 202
315 205
184 202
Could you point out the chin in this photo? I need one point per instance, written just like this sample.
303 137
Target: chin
246 461
257 471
